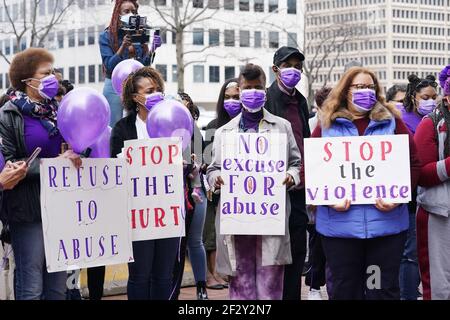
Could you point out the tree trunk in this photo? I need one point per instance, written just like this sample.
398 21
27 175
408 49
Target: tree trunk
179 42
310 95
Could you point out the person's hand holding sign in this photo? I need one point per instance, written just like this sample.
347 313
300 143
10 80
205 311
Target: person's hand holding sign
218 183
343 206
381 205
288 181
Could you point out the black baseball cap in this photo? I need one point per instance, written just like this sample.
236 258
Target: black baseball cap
284 53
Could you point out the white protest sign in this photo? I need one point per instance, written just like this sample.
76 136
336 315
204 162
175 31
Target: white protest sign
84 213
156 188
253 198
360 169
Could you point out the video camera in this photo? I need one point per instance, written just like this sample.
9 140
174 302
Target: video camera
138 29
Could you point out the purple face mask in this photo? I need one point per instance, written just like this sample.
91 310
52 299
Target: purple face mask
426 106
232 107
48 88
364 99
290 77
153 99
253 99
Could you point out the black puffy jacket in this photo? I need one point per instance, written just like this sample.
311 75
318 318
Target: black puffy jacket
22 204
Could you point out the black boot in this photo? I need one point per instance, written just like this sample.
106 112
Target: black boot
201 291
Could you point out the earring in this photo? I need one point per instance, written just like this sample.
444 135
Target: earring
137 109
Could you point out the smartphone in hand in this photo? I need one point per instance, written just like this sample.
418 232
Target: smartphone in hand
33 156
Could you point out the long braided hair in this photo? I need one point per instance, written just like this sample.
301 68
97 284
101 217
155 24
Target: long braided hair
114 23
415 84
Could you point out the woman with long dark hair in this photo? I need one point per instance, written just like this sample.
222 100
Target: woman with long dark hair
116 45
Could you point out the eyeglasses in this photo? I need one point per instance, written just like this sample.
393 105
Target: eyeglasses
363 86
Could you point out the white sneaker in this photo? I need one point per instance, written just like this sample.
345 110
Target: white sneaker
314 294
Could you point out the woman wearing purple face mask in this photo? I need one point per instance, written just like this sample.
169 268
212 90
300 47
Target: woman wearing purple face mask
363 235
240 256
228 107
28 121
420 100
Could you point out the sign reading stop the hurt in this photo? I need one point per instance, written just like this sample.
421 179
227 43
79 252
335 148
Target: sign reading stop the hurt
360 169
156 188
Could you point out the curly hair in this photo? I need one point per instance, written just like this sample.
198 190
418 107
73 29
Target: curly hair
321 95
338 97
414 86
130 86
25 64
392 91
113 27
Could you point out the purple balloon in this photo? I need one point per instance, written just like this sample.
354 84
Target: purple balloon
122 71
2 161
170 118
101 147
82 117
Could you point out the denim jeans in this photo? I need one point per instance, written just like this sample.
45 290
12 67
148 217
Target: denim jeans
196 250
115 104
150 275
33 282
409 268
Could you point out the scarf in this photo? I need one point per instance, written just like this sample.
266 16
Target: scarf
250 121
45 112
443 108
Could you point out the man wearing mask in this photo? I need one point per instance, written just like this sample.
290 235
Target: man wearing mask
285 101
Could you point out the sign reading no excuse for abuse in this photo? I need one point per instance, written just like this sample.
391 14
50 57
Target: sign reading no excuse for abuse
360 169
84 213
253 197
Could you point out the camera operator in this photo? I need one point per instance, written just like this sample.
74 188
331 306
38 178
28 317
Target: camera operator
116 45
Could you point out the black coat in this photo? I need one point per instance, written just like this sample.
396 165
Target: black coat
125 129
277 104
23 203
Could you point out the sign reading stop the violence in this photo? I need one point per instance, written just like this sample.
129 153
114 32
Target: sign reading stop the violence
84 213
253 197
156 188
360 169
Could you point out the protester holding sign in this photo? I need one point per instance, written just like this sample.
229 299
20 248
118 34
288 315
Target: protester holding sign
116 46
254 263
358 238
420 100
28 121
150 275
433 224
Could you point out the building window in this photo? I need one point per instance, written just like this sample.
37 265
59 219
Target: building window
71 37
91 71
228 4
258 39
199 74
244 5
213 4
7 83
7 47
214 74
81 75
292 6
229 38
42 8
162 68
197 3
101 75
81 37
1 80
230 72
244 38
292 39
273 5
259 6
91 35
72 74
198 36
273 39
60 39
214 37
174 73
